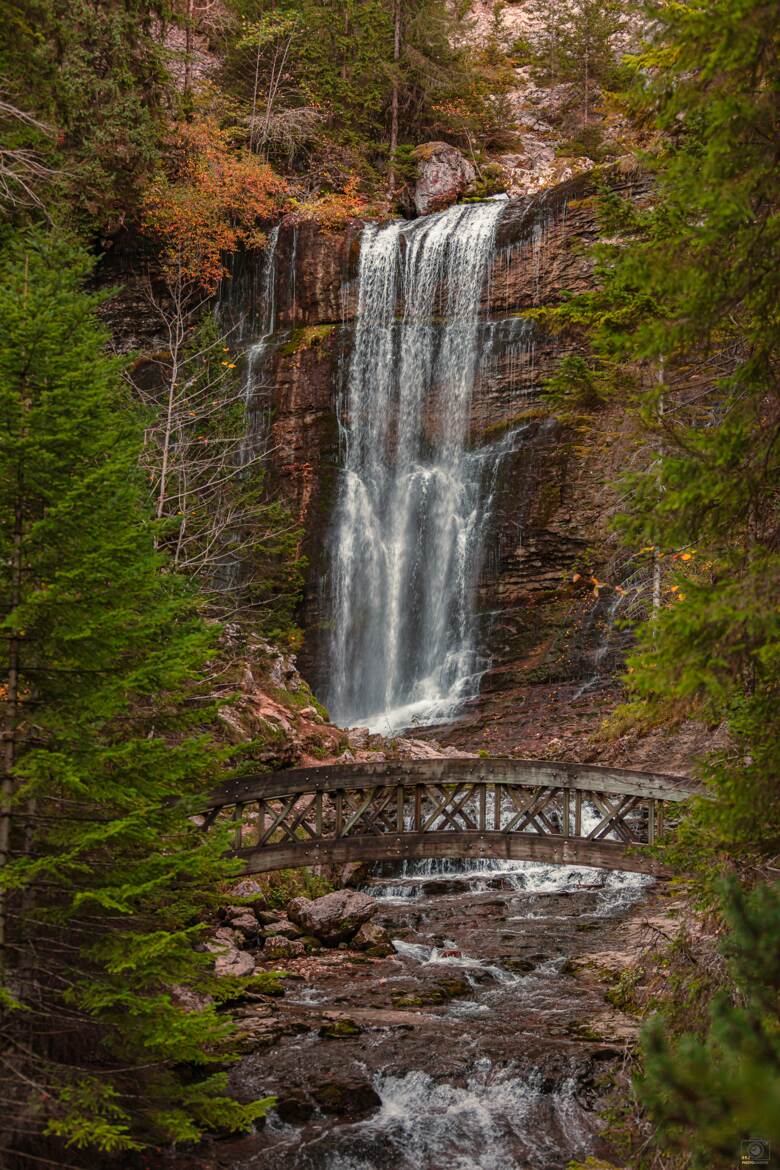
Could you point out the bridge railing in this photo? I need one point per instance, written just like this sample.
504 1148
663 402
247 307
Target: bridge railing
529 808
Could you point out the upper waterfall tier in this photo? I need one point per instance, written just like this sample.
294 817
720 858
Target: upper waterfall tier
413 499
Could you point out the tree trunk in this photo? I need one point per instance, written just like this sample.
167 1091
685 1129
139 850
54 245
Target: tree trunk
394 97
657 570
188 49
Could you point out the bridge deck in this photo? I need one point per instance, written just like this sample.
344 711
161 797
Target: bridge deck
538 810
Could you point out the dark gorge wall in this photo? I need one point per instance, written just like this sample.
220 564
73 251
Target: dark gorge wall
552 500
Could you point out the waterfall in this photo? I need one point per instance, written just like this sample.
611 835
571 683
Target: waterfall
256 405
413 504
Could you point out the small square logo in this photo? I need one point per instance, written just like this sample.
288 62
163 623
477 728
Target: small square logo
754 1152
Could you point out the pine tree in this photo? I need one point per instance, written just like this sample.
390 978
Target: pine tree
709 1095
575 41
105 878
684 326
96 75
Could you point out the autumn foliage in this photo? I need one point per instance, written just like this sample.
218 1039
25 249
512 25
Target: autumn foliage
334 209
209 201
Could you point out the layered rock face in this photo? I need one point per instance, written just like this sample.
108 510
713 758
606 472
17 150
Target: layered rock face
551 500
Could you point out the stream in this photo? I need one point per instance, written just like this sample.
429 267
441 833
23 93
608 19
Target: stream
480 1046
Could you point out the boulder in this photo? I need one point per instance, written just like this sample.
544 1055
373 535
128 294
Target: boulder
351 1097
246 924
282 929
340 1029
253 890
334 918
225 936
230 961
443 175
359 737
374 939
268 917
295 1108
278 947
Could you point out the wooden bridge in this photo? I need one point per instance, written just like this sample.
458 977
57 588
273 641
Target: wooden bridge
520 810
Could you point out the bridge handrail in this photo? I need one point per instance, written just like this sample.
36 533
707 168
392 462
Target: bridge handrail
446 770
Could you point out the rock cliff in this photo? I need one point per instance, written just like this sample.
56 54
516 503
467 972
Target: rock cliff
554 497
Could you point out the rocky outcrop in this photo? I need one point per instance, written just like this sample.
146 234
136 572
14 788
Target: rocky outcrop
443 175
335 917
373 939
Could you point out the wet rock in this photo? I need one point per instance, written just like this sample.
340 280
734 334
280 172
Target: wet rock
257 1033
521 966
440 887
453 986
445 989
373 939
334 918
443 175
348 1098
278 947
340 1029
295 1108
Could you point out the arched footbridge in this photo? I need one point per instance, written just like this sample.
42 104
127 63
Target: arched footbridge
519 810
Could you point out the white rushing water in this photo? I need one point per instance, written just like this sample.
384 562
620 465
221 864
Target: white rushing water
412 879
414 499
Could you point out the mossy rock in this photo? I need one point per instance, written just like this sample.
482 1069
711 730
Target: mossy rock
522 966
444 990
340 1029
450 988
306 337
379 952
233 989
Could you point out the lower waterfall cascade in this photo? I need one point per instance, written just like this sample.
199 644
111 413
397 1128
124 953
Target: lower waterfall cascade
414 499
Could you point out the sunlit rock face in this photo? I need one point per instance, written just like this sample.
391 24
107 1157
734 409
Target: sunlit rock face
402 361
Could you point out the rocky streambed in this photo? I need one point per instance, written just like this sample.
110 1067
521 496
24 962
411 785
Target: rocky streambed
482 1041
